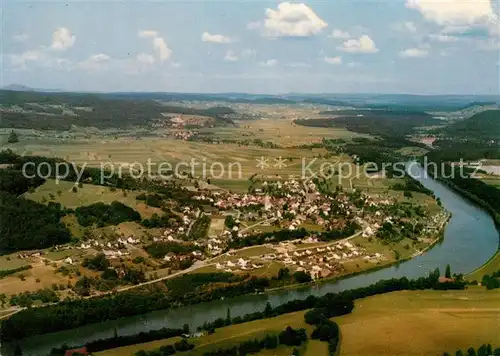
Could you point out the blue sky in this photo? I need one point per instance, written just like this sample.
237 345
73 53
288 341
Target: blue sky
407 46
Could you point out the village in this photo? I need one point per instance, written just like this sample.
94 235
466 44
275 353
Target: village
283 208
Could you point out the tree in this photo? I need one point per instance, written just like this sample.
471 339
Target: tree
270 342
13 137
268 310
18 351
447 273
283 273
471 352
302 277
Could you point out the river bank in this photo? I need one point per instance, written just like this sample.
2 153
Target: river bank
492 264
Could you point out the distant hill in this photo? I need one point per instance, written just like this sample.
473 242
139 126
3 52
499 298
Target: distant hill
385 123
20 87
482 126
59 111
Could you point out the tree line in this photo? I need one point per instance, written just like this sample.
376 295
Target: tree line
287 337
338 299
120 341
483 350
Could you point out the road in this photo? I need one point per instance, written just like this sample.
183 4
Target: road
197 265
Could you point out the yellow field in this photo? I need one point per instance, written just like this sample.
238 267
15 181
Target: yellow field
12 262
400 323
421 322
39 277
128 153
281 131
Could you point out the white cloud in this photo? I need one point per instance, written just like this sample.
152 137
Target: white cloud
62 39
333 60
148 34
161 47
20 37
101 57
159 44
94 63
410 26
221 39
454 12
339 34
231 56
145 58
40 59
269 63
20 60
414 53
292 20
442 38
362 45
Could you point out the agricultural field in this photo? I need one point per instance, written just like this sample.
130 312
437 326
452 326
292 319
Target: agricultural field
393 324
283 132
421 323
40 276
125 153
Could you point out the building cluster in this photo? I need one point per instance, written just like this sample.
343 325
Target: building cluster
117 249
293 203
325 260
239 265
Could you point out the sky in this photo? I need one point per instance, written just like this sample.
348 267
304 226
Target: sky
335 46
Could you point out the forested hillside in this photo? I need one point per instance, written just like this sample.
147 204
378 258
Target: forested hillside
375 122
482 126
25 224
470 139
59 111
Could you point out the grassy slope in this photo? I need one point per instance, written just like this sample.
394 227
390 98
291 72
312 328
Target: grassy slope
400 323
87 195
489 267
421 322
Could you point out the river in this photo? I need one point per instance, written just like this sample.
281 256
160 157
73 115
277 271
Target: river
470 239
